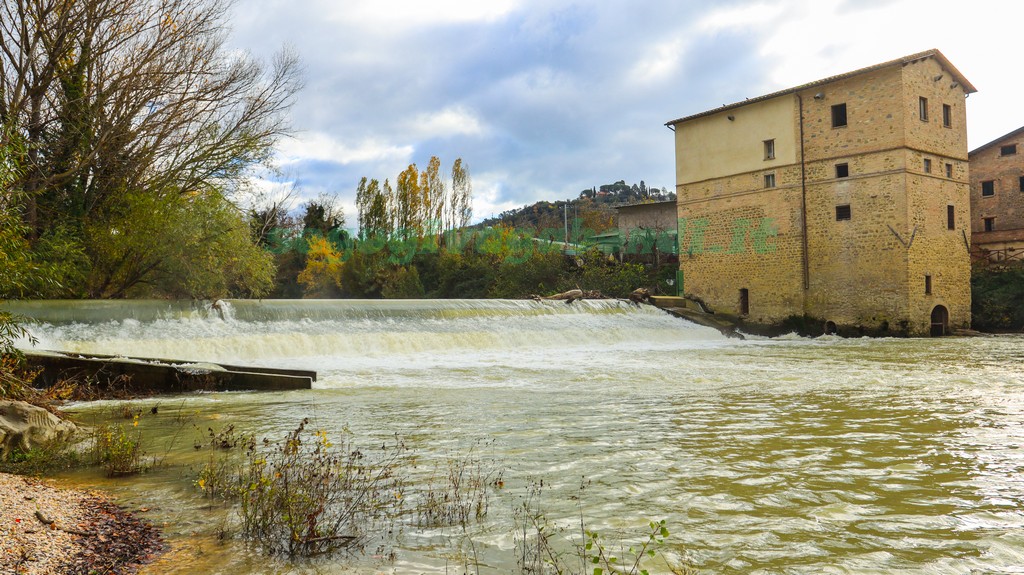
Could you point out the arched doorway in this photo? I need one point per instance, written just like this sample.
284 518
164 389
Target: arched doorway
940 321
830 328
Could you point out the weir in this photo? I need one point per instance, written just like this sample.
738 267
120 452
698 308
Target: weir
338 338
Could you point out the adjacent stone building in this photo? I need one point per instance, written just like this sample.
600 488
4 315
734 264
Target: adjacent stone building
844 202
997 198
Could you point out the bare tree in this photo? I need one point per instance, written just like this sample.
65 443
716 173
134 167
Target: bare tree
110 95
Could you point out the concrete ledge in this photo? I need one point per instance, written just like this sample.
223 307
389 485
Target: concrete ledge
158 376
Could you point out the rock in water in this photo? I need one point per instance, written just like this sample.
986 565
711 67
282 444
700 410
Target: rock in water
24 427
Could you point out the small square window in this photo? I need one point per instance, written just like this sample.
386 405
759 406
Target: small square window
843 212
927 166
1008 150
922 108
990 224
842 170
769 180
988 188
838 115
950 218
949 171
769 149
927 285
947 116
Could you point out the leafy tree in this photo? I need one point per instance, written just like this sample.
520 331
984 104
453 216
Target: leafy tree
322 276
124 106
997 298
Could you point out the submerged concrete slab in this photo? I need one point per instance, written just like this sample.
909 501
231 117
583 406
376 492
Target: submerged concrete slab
159 376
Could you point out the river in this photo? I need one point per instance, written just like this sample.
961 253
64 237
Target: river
764 456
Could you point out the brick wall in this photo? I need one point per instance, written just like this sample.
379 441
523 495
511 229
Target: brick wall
1006 205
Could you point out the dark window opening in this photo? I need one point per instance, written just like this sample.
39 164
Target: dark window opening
927 166
744 301
838 115
843 212
922 108
1021 180
769 180
830 328
927 285
950 218
769 149
947 115
949 171
990 224
842 170
988 188
1008 150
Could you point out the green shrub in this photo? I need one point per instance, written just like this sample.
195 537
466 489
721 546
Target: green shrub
119 450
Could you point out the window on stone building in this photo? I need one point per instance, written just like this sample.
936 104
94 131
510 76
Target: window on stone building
842 170
927 285
838 115
744 301
1021 181
1008 150
843 212
990 224
927 166
947 116
950 218
988 188
949 170
769 149
922 108
769 180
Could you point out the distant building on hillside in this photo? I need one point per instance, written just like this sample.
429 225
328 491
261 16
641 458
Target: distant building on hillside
645 229
997 198
844 201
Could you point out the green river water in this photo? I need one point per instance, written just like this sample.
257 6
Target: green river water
787 455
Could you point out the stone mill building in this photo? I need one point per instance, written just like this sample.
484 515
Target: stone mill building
843 202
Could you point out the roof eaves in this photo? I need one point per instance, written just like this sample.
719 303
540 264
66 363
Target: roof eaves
967 86
998 140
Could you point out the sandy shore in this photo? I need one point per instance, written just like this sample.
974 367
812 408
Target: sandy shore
45 529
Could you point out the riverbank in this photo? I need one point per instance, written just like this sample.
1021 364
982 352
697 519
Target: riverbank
46 529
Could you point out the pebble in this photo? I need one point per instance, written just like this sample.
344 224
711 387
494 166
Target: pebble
49 530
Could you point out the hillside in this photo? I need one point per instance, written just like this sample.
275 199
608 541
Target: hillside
595 207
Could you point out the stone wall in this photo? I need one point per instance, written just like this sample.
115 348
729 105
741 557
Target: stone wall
867 270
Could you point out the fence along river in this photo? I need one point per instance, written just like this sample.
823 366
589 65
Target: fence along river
787 455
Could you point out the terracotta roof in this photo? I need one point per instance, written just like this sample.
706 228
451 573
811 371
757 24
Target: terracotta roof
998 140
967 86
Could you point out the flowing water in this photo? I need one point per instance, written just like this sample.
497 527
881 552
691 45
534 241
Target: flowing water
787 455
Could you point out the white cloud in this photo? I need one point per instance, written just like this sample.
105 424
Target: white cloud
318 146
416 13
661 62
452 121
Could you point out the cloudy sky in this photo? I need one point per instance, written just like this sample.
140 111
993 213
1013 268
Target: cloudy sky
545 98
